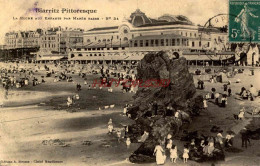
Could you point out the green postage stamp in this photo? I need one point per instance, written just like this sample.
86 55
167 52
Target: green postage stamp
244 21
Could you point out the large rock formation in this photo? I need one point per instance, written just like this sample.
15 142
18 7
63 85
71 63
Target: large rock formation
179 94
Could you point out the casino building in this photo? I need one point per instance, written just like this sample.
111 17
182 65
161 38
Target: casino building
139 35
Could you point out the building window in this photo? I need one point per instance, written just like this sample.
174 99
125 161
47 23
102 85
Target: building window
104 40
190 34
131 43
125 31
99 54
80 55
72 55
141 43
156 42
208 44
195 34
152 43
186 34
199 43
88 40
135 43
90 55
146 43
178 42
133 35
173 42
181 33
125 39
193 44
95 54
161 33
162 42
167 42
99 41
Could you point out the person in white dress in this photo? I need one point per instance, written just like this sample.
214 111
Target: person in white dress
205 104
128 142
173 154
159 153
169 144
177 114
124 111
69 101
241 115
185 155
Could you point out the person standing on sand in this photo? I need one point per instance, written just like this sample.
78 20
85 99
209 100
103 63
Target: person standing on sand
173 154
159 153
245 137
205 104
229 91
185 155
216 98
128 142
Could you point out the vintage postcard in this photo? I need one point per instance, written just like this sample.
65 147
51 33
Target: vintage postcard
129 82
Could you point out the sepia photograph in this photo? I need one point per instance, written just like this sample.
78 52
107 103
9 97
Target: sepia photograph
129 82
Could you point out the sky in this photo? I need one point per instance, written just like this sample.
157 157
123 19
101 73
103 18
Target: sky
198 11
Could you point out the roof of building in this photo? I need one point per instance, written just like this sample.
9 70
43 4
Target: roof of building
175 18
165 23
138 18
103 28
159 37
213 29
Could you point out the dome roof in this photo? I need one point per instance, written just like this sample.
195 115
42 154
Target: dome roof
138 18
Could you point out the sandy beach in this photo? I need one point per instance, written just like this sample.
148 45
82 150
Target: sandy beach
37 127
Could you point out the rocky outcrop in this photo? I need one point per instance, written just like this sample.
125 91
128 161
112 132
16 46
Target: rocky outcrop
154 107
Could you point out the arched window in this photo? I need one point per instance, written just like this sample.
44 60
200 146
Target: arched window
125 39
99 40
80 54
88 40
72 55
